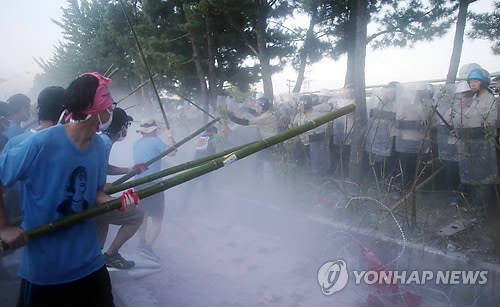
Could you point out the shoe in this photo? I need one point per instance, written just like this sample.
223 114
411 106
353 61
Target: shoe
147 252
117 261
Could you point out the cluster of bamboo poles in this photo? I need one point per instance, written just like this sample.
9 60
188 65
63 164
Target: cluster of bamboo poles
192 170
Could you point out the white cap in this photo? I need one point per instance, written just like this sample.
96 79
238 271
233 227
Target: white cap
462 87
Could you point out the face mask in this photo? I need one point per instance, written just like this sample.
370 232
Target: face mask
104 126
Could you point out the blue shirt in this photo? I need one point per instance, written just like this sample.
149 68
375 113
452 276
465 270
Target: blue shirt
57 179
13 130
18 139
147 148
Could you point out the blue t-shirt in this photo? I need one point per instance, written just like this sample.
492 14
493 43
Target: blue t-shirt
108 144
57 179
18 139
13 130
146 149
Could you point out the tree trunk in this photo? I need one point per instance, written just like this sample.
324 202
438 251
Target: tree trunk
201 77
360 19
265 68
458 42
304 53
212 78
350 50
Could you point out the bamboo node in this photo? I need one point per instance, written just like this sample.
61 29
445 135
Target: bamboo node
230 158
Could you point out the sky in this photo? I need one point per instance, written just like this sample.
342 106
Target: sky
27 32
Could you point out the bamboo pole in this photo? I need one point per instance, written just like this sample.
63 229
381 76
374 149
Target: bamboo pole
166 152
114 71
184 177
130 107
169 171
136 89
108 70
148 69
163 173
194 104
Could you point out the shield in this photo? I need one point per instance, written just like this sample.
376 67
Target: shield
413 115
445 105
342 127
381 118
477 160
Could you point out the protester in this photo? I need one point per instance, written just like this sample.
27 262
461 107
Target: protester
4 123
19 112
146 148
65 268
50 106
129 220
264 120
267 126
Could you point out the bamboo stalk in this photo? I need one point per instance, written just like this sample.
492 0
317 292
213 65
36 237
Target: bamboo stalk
136 89
169 171
163 173
114 71
194 104
130 107
166 152
186 176
108 70
148 69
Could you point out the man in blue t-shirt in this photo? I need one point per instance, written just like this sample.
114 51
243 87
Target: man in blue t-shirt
146 148
61 173
50 107
49 193
130 220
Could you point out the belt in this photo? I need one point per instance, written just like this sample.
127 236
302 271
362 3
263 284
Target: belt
410 124
473 133
380 114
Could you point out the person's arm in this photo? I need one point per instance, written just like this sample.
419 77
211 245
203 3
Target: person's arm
237 120
102 197
15 164
170 142
115 170
11 236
